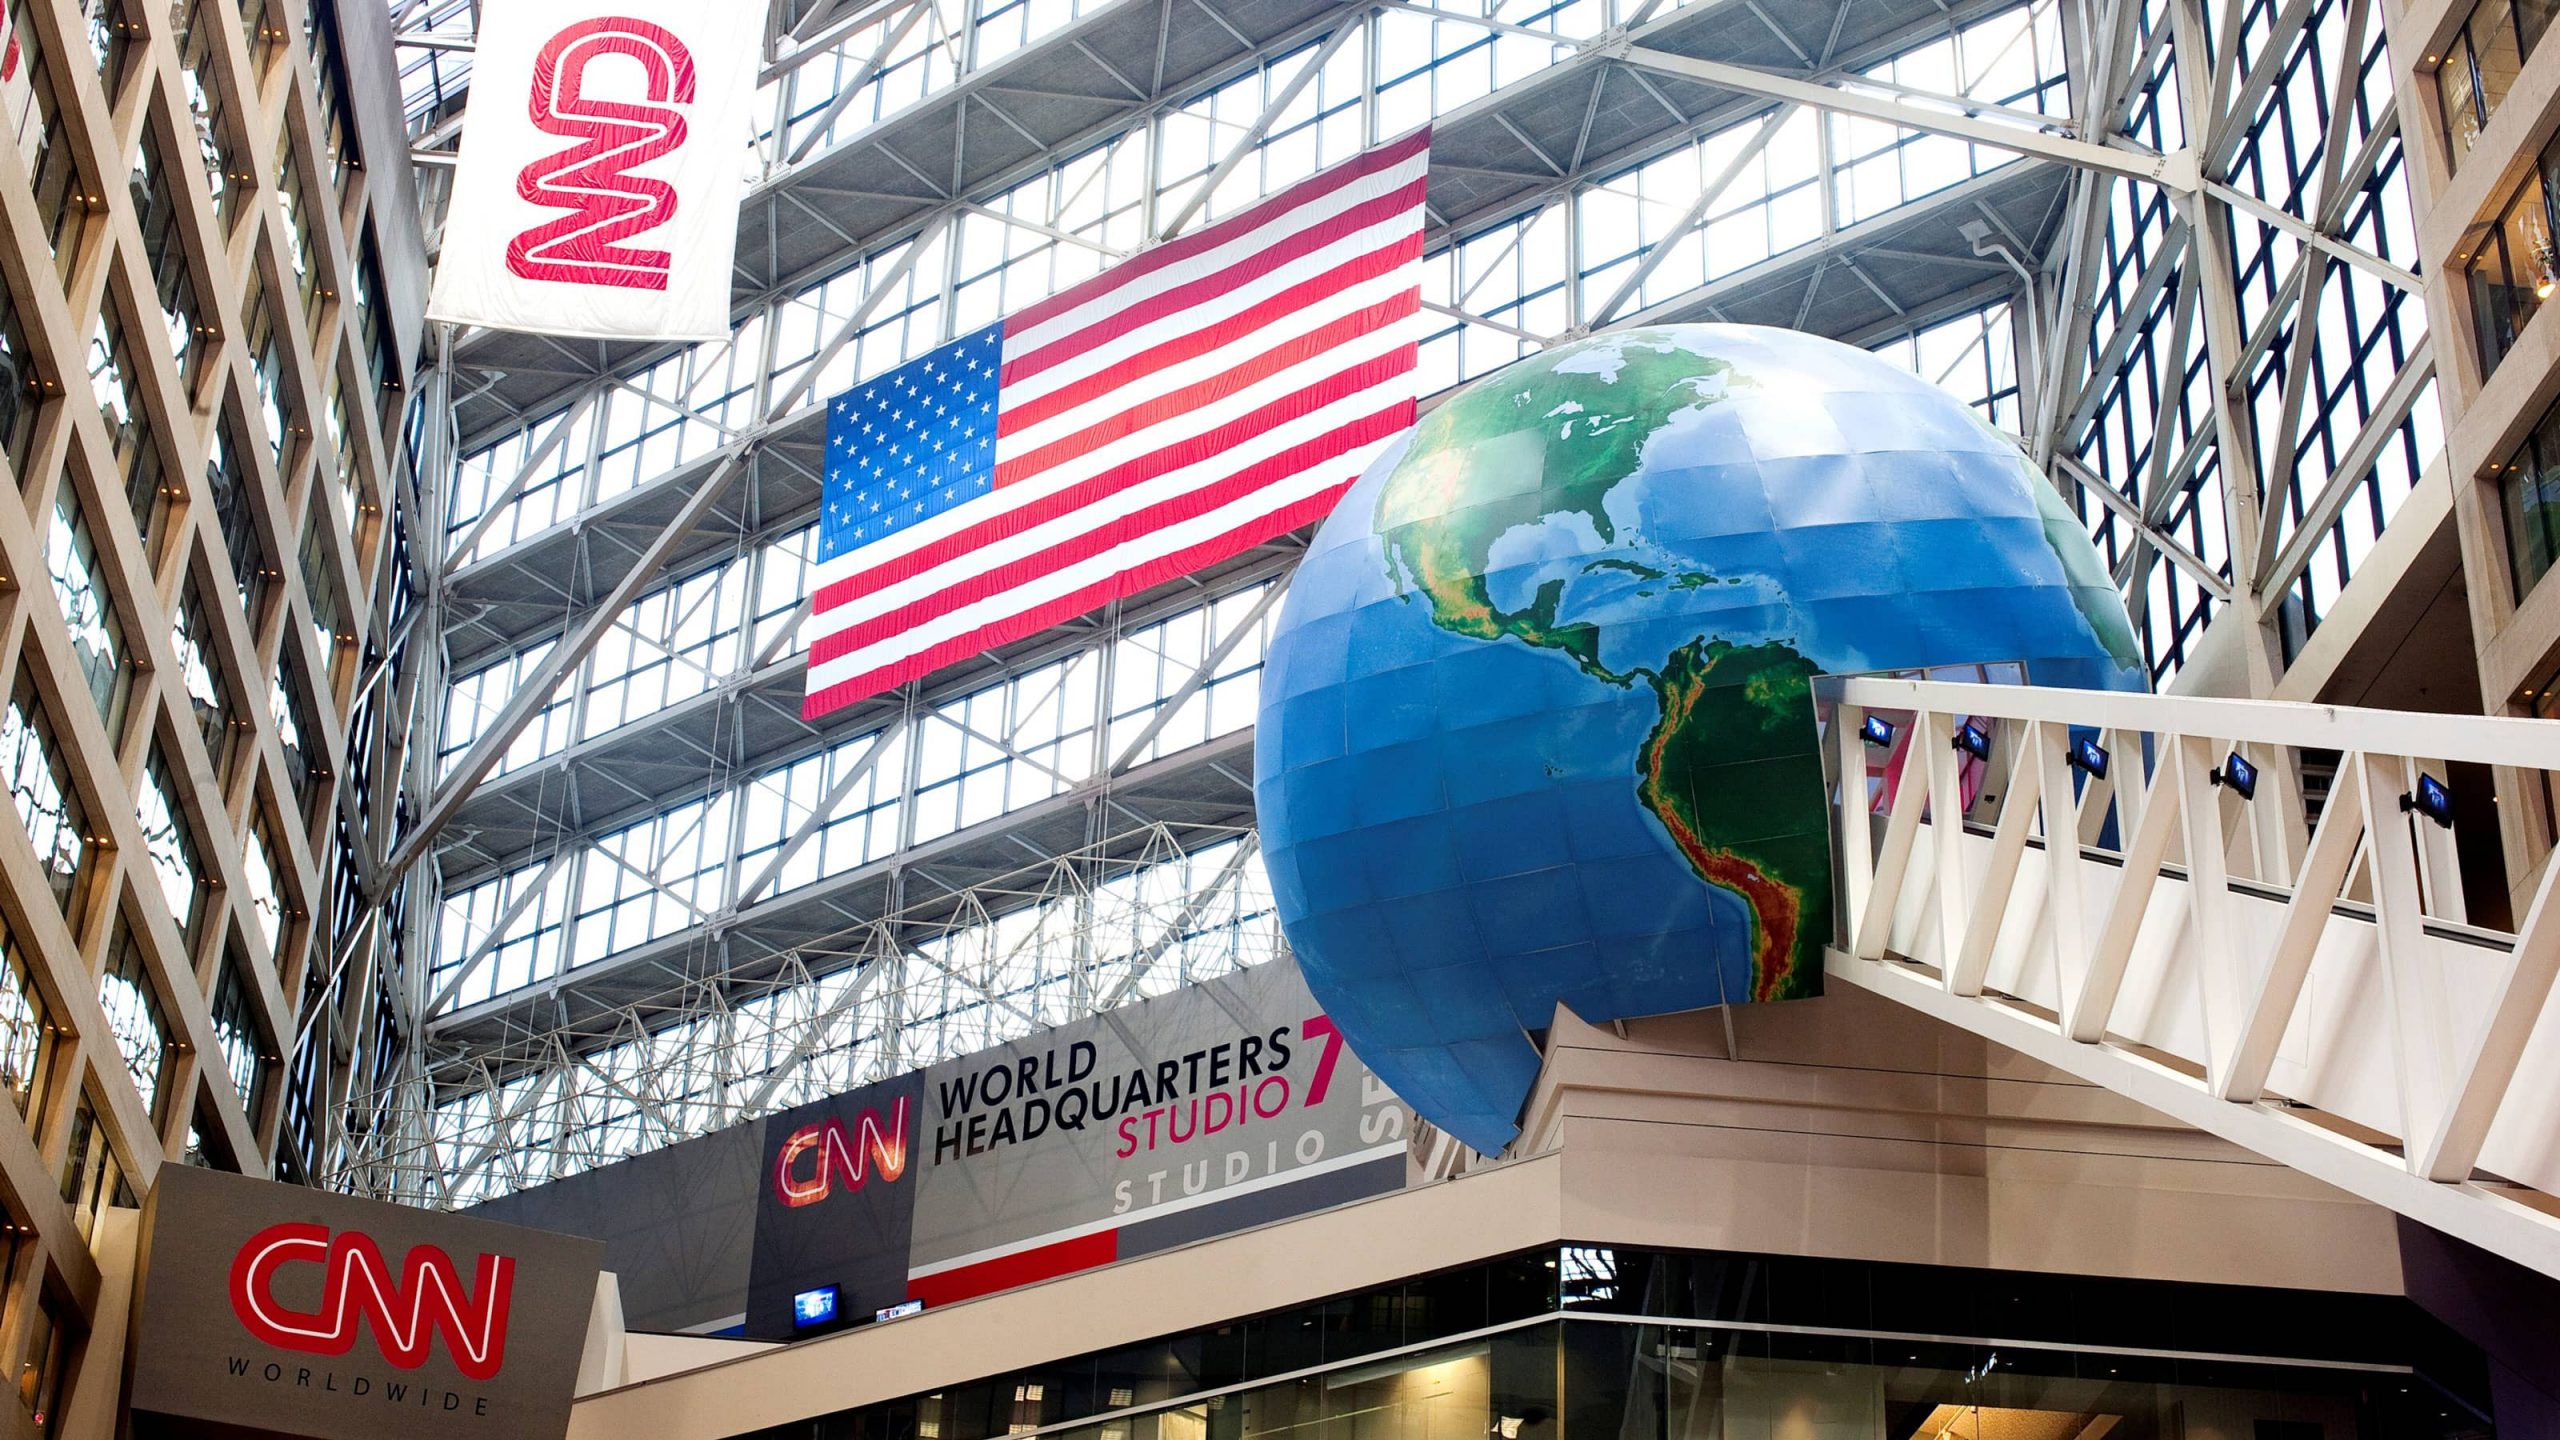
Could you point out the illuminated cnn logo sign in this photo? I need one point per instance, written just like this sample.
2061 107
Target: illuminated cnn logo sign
406 1312
818 1158
615 132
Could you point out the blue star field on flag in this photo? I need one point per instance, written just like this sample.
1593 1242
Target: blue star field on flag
911 443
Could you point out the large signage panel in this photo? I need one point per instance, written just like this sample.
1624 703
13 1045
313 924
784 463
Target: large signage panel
268 1309
1219 1106
597 192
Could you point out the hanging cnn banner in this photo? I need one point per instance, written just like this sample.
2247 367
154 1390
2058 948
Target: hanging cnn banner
599 177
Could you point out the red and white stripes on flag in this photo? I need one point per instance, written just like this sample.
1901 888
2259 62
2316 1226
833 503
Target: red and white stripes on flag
1179 408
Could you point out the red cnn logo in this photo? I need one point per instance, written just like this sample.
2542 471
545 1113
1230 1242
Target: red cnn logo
429 1295
840 1154
607 205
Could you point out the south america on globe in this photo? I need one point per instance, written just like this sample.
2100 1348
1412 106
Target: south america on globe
1536 722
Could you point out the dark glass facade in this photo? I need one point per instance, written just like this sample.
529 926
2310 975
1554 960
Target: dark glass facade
1612 1343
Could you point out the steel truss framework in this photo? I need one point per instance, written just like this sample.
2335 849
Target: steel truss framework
2163 243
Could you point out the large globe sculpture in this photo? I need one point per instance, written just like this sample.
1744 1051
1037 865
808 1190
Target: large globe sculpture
1535 725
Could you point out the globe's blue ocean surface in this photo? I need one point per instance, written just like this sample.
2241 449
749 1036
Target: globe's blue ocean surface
1535 723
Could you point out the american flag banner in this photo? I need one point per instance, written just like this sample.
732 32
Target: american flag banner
1181 407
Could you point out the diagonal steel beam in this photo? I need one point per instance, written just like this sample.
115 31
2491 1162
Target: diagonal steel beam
2175 171
1692 217
1262 123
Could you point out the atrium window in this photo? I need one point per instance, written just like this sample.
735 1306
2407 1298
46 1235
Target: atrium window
114 381
674 643
168 837
202 675
266 896
1973 357
2012 59
2511 264
46 1370
320 584
226 178
135 1020
21 388
849 791
341 469
2481 62
1157 665
285 704
26 1032
1003 747
88 608
548 457
40 786
156 202
230 479
473 700
298 222
321 41
652 879
263 33
93 1175
784 569
112 31
246 1056
33 111
206 1147
2529 489
278 405
381 365
888 62
475 961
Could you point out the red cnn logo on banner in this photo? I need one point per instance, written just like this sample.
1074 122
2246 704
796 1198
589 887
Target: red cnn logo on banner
841 1154
428 1296
607 204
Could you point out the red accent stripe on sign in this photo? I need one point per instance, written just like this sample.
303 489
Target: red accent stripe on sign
1022 1267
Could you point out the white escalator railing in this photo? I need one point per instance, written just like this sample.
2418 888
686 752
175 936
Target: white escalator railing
2305 988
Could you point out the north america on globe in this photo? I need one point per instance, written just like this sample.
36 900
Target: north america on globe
1537 723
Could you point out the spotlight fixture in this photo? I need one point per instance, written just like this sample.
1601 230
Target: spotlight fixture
1973 740
2239 774
2088 755
2549 279
2433 800
1877 731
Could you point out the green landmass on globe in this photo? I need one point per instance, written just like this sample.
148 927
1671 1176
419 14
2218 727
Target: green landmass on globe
1730 764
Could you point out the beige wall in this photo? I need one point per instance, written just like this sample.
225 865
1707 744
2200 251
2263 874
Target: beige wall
1844 1126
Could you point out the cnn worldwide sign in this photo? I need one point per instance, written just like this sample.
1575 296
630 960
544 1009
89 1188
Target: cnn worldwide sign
275 1310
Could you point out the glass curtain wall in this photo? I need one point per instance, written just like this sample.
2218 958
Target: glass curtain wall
1610 1343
